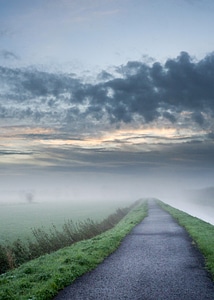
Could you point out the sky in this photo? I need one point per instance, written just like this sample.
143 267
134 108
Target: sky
106 98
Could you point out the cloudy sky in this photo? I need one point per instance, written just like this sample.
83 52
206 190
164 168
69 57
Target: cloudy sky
118 93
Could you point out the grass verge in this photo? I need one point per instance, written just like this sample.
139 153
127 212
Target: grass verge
42 278
201 232
45 242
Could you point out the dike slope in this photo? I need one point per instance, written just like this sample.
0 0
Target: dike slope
157 260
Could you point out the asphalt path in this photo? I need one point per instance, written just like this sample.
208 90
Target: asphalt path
156 261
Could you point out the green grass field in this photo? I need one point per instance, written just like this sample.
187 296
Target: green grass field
16 220
42 278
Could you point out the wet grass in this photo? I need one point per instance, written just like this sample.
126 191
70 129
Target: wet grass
18 219
42 278
46 241
201 232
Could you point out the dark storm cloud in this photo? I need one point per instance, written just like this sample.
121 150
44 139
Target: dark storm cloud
133 94
184 84
31 82
8 55
211 135
104 76
140 90
169 116
198 118
180 84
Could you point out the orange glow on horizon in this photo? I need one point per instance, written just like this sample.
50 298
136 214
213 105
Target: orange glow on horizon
123 137
16 137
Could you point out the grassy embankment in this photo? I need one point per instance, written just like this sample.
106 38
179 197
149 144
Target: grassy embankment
201 232
43 277
44 241
18 219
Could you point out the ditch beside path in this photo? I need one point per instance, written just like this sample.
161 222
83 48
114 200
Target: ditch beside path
156 261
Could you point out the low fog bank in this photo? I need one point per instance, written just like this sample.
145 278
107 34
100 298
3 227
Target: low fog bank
196 202
78 187
204 213
179 191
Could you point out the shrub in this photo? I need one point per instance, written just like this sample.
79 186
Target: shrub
4 265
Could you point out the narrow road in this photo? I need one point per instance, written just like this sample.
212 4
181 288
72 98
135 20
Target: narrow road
156 261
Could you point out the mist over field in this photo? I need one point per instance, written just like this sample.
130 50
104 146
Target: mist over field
72 187
188 193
